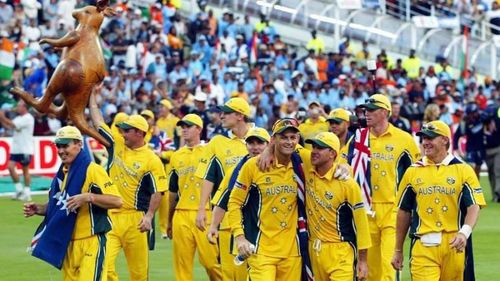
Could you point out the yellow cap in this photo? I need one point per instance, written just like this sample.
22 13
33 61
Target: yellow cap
148 113
135 121
434 129
190 120
120 117
285 123
239 105
67 134
166 103
377 101
326 140
339 115
258 132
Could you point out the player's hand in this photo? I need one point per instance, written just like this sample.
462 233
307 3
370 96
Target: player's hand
169 231
30 209
244 246
212 234
145 223
76 201
342 172
397 260
362 270
201 219
459 242
266 159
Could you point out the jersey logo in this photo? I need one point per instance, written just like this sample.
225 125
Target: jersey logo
310 181
389 147
136 165
329 195
268 179
450 180
228 152
241 186
419 181
204 161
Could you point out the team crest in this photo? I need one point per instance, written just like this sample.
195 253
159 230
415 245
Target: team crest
136 165
450 180
389 147
419 181
228 152
310 181
328 195
268 179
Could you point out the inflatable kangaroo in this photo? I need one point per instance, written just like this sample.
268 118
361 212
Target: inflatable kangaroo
81 68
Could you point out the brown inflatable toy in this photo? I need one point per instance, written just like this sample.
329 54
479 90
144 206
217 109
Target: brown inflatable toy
81 68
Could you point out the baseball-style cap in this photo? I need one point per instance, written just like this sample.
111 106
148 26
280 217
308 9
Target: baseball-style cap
120 117
259 133
314 103
286 123
166 103
239 105
338 115
434 129
326 140
190 120
377 101
148 113
135 121
67 134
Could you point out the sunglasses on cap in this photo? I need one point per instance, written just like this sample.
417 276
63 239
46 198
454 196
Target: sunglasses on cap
372 100
429 127
285 122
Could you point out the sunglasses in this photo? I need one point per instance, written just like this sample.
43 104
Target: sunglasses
429 127
372 100
60 145
332 121
285 122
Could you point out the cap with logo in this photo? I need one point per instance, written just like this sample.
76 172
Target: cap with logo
377 101
166 103
135 121
326 140
434 129
286 123
259 133
148 113
339 115
239 105
67 134
191 120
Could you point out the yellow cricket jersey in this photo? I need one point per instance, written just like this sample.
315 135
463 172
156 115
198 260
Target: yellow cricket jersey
92 219
168 124
268 203
182 181
391 154
309 130
137 173
438 195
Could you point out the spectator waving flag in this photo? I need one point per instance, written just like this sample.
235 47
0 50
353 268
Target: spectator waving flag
252 47
359 158
7 59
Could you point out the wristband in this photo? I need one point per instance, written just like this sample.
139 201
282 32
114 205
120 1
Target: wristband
466 230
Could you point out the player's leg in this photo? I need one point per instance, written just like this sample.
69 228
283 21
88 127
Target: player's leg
136 249
70 265
289 269
92 264
343 262
262 268
27 177
424 263
318 253
163 213
208 253
374 255
387 240
229 269
184 245
14 158
114 245
453 262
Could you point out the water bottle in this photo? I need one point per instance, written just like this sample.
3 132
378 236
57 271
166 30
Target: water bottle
239 259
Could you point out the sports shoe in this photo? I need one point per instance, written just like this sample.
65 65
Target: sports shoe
164 236
17 195
25 196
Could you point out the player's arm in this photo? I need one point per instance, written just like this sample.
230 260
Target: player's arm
406 201
236 202
6 122
95 111
206 170
31 209
159 181
173 187
363 238
213 231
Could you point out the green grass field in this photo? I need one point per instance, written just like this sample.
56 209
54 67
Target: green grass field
17 264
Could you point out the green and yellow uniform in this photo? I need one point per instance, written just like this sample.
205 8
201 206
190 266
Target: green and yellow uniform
438 197
85 257
222 154
186 236
137 173
268 202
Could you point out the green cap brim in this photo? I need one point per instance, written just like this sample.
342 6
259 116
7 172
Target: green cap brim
256 137
185 122
371 106
336 120
226 109
318 143
124 125
428 133
286 128
63 141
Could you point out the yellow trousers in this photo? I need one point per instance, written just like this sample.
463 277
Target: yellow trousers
163 214
264 268
230 271
85 259
332 261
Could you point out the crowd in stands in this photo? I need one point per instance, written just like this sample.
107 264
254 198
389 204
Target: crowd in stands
198 62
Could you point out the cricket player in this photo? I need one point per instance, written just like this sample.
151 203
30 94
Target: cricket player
339 120
337 222
439 200
184 199
223 153
73 234
140 177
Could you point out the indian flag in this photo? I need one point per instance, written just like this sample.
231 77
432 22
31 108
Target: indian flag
464 56
7 59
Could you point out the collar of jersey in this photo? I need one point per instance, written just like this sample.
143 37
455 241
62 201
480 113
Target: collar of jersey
278 165
446 161
329 175
233 136
389 131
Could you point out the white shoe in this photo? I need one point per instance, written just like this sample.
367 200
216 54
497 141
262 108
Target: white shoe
17 195
164 236
25 197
